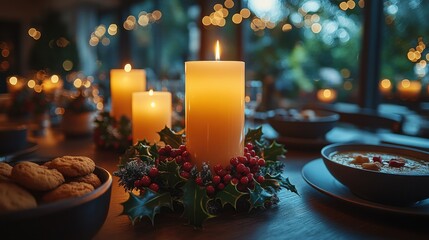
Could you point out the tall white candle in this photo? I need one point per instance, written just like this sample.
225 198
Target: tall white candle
151 113
214 104
123 82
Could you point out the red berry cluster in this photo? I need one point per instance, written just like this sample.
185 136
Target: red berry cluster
148 180
243 171
180 155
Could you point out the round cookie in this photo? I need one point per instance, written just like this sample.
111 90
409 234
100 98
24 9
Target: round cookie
14 197
73 166
68 190
5 171
36 177
90 178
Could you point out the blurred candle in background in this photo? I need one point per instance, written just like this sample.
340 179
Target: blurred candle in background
123 82
385 87
214 115
151 112
409 90
327 95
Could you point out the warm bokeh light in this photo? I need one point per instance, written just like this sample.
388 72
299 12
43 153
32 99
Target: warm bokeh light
286 27
385 86
316 27
156 15
68 65
351 4
13 80
31 83
326 95
345 73
343 6
409 90
405 83
229 3
237 18
100 106
113 29
348 85
54 78
217 7
38 88
87 84
245 13
77 83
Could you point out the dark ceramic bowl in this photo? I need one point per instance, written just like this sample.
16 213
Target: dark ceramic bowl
381 187
316 127
13 137
74 218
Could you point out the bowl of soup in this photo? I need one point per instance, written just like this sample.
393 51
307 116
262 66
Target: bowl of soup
387 174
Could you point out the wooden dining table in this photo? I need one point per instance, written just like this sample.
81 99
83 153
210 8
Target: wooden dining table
311 214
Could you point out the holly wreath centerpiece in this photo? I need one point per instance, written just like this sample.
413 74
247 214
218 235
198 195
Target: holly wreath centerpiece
157 177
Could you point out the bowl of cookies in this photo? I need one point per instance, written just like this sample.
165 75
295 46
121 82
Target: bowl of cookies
65 198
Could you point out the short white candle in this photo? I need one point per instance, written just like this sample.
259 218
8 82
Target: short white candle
123 82
151 112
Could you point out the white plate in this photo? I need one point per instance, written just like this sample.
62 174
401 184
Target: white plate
317 175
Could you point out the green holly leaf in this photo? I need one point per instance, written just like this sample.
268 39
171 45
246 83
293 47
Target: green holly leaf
282 182
253 135
272 184
258 196
274 151
170 137
148 205
195 202
169 173
230 195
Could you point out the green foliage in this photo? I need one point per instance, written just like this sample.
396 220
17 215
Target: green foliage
169 172
229 195
171 138
195 202
274 151
147 205
112 133
259 196
198 206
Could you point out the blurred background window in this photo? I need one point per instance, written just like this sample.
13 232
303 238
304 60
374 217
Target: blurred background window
307 51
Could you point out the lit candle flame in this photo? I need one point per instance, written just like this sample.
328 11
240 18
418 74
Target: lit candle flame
127 67
151 92
217 50
152 104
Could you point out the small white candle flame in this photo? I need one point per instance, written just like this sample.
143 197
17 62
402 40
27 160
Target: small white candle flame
217 51
127 67
151 92
152 104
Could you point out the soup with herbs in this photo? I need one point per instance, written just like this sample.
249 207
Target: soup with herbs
382 162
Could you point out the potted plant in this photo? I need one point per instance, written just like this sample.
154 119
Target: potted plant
79 114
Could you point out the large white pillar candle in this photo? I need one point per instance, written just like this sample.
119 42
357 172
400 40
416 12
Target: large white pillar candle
214 104
123 82
151 113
